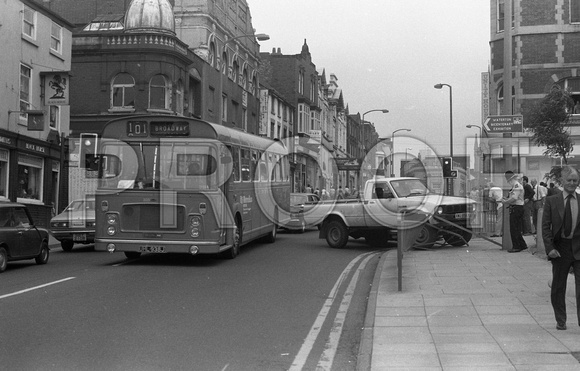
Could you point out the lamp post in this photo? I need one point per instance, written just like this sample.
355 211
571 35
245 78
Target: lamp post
440 86
393 150
476 126
374 110
259 37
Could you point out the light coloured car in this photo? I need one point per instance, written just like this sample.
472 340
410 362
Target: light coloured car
20 238
75 225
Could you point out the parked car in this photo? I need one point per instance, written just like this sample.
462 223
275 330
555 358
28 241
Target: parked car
20 239
297 202
76 224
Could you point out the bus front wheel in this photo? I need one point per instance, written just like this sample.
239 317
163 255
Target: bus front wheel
234 251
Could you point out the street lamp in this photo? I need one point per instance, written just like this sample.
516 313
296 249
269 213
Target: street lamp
393 150
374 110
440 86
259 37
476 126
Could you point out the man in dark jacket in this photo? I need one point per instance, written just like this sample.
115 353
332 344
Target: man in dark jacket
561 234
528 206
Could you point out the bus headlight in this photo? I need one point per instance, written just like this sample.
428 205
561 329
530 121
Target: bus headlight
111 230
111 247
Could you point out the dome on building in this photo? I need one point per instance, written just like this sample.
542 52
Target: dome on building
150 16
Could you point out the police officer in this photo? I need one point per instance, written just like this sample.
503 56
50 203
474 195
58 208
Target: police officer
515 202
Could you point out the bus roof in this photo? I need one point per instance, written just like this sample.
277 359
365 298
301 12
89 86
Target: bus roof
201 129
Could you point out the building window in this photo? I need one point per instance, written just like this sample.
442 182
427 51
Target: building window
300 82
245 79
312 89
29 22
572 86
54 121
123 92
30 177
235 72
225 63
574 11
273 105
245 119
212 55
159 93
3 173
56 38
501 14
25 83
179 98
224 107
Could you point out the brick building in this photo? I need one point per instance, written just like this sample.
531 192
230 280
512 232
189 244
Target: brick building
34 105
539 41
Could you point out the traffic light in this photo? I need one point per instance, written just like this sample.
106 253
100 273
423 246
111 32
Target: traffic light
88 151
447 164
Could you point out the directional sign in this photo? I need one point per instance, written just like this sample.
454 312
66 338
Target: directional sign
504 124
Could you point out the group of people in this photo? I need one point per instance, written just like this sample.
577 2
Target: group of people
332 194
560 230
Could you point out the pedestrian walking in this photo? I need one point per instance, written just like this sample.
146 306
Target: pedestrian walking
561 235
515 202
528 207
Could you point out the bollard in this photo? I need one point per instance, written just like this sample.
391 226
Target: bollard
506 239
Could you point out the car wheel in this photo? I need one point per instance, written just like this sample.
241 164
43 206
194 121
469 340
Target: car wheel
42 258
426 238
67 245
132 254
3 259
336 234
456 241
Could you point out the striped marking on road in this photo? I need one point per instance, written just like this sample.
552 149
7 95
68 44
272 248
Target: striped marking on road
306 348
36 287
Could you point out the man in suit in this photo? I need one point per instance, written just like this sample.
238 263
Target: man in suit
561 234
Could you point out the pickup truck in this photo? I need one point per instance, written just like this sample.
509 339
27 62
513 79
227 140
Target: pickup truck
377 212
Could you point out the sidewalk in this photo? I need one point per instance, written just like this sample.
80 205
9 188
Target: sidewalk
475 307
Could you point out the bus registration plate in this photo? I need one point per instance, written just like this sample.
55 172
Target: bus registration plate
461 215
157 249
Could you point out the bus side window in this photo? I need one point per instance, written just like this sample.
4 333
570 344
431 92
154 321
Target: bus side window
254 164
245 159
235 163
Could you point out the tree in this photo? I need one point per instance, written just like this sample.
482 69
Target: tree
548 120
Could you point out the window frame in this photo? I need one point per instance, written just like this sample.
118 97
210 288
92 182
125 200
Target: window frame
574 11
54 117
57 39
25 102
123 88
29 24
154 87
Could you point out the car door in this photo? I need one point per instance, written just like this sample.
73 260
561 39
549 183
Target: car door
29 238
10 234
382 208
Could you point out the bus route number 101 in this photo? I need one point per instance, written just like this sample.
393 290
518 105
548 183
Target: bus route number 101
137 128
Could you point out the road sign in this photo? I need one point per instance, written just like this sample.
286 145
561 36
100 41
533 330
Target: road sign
504 124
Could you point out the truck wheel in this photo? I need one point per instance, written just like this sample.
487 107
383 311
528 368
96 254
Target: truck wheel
427 237
336 234
455 240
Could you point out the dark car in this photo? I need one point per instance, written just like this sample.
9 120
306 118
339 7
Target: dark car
297 202
20 239
76 224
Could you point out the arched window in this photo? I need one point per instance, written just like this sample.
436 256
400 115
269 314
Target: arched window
212 55
224 63
123 92
159 93
254 86
501 109
235 71
245 78
179 98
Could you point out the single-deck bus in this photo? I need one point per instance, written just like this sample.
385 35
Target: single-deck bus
170 184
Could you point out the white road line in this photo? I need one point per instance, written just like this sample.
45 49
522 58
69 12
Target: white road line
306 347
36 287
327 357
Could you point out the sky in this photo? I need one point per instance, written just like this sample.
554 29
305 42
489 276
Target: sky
389 54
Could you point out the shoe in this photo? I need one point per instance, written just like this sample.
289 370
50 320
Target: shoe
514 250
561 326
